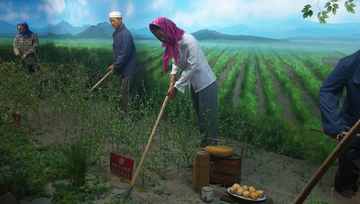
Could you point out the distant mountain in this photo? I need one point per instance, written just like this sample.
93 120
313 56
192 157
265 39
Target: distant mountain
214 35
61 36
43 30
105 30
8 28
142 31
64 28
101 30
297 29
240 30
59 29
287 30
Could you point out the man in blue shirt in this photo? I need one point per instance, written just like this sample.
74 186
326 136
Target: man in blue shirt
345 75
126 64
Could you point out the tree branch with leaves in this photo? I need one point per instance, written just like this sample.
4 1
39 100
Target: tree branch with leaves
330 7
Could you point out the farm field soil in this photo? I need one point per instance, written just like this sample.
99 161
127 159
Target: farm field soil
282 178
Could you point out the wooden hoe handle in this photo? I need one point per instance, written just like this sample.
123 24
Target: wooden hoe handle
328 162
137 173
97 84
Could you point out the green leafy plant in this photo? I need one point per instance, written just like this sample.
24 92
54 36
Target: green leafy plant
23 183
330 7
77 161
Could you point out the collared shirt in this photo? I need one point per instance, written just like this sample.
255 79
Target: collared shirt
124 53
196 71
346 74
27 46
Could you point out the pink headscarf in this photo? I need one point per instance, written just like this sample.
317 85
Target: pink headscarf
174 34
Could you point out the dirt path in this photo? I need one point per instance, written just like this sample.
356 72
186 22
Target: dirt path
238 84
223 74
212 64
281 98
313 107
282 179
307 66
259 89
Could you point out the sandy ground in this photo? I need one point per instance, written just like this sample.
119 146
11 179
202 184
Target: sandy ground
282 178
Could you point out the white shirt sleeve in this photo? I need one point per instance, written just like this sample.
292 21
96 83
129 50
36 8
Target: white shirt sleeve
175 68
190 69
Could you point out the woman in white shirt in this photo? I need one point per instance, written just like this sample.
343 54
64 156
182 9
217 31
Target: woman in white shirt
187 55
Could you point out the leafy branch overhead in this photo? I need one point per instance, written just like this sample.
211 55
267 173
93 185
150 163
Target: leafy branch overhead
330 7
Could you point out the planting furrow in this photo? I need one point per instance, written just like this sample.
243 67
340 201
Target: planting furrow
239 83
248 99
221 62
321 70
293 92
226 89
223 75
272 107
306 78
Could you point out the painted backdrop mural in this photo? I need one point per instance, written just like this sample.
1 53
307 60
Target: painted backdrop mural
269 61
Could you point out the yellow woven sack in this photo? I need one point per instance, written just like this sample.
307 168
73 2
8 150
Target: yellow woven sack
219 151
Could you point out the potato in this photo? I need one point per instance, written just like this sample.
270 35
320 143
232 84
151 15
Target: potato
245 187
233 189
252 189
237 186
260 193
254 195
240 191
246 194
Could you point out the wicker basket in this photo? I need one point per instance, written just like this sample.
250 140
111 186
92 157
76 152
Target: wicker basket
225 171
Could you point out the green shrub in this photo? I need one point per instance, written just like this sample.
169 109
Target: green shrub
77 161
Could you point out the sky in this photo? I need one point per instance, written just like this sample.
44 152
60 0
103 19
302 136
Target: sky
191 14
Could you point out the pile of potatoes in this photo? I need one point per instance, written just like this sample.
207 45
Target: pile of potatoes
246 192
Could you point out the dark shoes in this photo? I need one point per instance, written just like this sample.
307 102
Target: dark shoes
346 192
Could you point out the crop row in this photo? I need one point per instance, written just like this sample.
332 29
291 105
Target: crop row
293 92
226 90
309 82
321 70
272 107
222 62
248 99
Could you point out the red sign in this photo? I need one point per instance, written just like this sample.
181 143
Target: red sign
121 167
17 119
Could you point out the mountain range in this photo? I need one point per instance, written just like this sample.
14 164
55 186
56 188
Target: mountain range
287 30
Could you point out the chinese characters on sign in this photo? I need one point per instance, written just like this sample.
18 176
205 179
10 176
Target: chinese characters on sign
121 167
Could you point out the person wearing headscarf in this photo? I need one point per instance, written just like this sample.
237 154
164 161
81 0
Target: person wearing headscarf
187 55
126 64
26 45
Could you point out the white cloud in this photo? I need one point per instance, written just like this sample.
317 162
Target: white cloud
83 2
78 13
213 12
129 9
52 7
158 4
8 14
113 6
162 4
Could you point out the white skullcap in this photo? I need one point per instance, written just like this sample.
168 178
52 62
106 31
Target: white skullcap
115 14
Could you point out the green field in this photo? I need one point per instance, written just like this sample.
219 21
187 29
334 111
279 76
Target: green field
268 92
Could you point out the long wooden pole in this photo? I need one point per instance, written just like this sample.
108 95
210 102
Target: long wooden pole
137 173
327 164
97 84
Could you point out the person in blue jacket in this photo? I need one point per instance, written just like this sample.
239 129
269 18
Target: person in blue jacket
346 74
126 64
